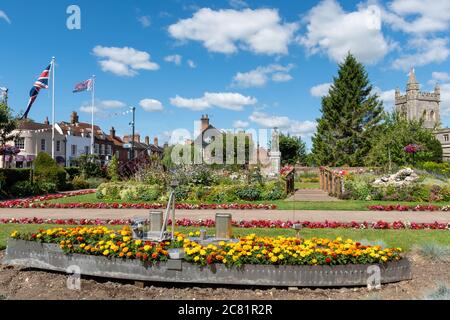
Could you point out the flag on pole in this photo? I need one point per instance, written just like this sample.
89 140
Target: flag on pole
83 86
41 83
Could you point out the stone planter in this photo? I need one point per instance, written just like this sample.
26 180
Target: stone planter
50 257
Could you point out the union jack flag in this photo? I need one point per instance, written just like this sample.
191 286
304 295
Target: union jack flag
83 86
41 83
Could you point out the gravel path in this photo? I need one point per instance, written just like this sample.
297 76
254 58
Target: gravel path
284 215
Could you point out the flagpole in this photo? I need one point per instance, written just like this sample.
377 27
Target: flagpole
92 115
53 107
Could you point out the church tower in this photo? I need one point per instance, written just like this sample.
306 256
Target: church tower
415 105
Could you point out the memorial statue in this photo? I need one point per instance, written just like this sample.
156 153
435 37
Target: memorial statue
275 145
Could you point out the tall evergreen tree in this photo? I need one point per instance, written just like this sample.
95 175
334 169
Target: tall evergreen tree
351 114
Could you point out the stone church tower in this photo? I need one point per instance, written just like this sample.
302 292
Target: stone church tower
416 105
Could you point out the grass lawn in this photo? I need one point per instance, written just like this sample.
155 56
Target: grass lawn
306 185
405 239
355 205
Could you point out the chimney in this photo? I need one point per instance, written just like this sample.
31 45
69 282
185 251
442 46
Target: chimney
155 141
147 140
205 122
112 132
137 137
74 118
46 121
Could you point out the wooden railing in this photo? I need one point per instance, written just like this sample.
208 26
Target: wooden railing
289 178
331 181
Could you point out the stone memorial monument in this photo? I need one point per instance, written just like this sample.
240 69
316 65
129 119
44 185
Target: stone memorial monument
275 154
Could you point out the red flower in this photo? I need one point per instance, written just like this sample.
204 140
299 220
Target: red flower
328 260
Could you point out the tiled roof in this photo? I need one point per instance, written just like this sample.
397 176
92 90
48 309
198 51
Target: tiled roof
31 125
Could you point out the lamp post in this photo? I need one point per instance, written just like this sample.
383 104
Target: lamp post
133 126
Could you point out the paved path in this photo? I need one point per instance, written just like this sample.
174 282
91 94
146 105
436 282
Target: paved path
311 195
314 216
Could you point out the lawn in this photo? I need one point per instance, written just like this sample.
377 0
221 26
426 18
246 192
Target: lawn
351 205
405 239
307 185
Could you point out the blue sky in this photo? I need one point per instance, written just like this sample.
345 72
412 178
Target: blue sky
248 64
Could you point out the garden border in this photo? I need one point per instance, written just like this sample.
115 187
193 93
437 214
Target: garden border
50 257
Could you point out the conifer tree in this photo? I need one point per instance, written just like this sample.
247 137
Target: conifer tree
351 114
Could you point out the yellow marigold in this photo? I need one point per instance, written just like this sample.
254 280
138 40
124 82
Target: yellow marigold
147 248
106 252
138 242
125 250
82 245
274 259
126 239
196 258
112 235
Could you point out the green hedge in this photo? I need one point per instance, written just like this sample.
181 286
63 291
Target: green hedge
10 177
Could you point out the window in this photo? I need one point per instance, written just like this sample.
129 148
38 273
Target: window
58 146
96 148
74 149
43 146
108 150
20 143
446 137
102 149
86 150
117 154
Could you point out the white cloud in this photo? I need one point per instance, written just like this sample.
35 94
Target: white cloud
441 76
388 97
334 32
426 51
101 106
191 64
418 16
445 99
281 77
175 58
320 90
260 76
239 124
4 16
124 61
112 104
238 4
284 123
145 21
151 105
192 104
226 31
224 100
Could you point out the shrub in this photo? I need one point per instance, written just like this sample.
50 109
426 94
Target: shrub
46 170
46 187
436 168
73 172
249 193
110 191
273 190
79 183
435 252
93 183
22 189
442 292
113 169
182 193
221 194
11 176
149 193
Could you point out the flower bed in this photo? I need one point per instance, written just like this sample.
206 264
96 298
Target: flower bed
247 224
29 202
398 207
248 250
116 205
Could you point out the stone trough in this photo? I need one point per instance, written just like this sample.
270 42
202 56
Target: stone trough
50 257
